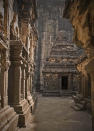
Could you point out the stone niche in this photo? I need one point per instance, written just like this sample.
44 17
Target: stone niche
51 82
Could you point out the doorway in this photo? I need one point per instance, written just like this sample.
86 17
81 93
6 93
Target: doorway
64 82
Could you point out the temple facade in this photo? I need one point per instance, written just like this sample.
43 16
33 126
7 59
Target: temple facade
58 55
60 73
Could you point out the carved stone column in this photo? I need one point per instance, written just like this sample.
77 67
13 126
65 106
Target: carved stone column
31 81
15 74
85 86
23 82
16 78
70 82
90 70
9 122
26 81
4 79
30 96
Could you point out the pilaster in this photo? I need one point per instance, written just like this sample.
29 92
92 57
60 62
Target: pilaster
9 122
23 82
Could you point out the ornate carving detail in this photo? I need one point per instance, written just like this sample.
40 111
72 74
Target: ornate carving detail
5 63
14 31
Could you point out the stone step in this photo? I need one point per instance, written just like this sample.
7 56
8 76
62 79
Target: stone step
67 93
76 108
51 94
8 119
82 102
81 106
58 93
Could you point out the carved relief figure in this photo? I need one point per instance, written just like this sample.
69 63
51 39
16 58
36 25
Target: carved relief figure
14 31
61 36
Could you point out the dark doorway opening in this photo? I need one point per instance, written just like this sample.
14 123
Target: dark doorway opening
64 83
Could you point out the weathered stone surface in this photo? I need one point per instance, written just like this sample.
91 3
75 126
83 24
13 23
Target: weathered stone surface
8 119
58 53
81 14
18 38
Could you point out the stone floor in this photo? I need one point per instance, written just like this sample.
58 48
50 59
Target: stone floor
56 114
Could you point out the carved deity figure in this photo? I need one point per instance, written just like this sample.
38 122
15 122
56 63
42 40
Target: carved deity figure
61 36
14 32
2 30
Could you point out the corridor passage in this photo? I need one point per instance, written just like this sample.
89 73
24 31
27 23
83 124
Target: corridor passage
56 114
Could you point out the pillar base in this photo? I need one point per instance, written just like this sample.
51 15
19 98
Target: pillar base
32 101
8 119
23 110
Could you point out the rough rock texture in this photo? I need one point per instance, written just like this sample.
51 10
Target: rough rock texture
81 14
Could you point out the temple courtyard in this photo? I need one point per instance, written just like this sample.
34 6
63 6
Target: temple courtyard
56 114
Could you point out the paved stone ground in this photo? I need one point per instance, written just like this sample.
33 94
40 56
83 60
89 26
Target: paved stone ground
56 114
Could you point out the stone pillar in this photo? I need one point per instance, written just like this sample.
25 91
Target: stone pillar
30 97
23 82
31 83
86 86
69 82
9 122
3 88
72 84
4 80
92 97
17 84
82 84
26 81
15 76
90 70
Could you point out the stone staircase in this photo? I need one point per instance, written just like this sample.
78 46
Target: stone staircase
67 93
58 93
51 93
81 103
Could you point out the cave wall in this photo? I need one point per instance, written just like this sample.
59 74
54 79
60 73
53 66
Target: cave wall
81 15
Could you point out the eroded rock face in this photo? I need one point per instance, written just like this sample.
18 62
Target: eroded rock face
81 14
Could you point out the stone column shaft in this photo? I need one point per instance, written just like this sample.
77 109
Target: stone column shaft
4 79
26 82
92 97
90 70
14 84
15 73
23 83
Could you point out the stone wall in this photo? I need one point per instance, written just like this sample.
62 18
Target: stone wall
50 23
18 38
81 14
